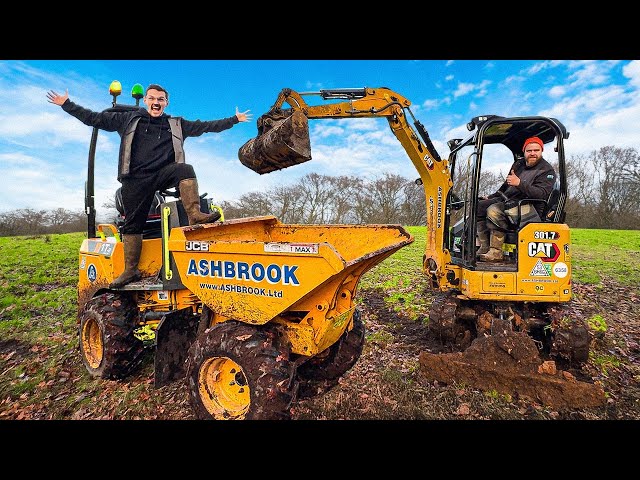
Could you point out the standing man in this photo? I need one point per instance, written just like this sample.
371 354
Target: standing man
151 158
530 177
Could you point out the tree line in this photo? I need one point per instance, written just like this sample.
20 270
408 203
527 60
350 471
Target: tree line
604 192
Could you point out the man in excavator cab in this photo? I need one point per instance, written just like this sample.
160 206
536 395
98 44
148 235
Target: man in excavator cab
530 178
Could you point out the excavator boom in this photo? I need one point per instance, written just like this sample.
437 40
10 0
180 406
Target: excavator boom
283 141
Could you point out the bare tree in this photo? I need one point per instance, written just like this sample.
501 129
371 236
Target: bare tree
250 204
413 207
288 203
317 191
387 192
363 207
341 204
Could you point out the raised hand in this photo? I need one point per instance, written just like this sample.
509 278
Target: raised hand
513 179
243 116
56 98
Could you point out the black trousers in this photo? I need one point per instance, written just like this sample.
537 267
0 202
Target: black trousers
138 192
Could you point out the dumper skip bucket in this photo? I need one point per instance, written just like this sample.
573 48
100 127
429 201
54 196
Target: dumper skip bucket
253 269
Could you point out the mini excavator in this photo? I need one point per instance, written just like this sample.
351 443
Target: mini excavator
508 321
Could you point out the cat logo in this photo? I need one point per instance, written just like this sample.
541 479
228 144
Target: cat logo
548 252
428 160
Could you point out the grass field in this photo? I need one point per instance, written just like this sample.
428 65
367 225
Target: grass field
38 277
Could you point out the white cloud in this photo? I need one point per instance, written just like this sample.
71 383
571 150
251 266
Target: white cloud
463 89
557 91
632 72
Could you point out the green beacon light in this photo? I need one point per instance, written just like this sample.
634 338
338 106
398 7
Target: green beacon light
137 92
115 89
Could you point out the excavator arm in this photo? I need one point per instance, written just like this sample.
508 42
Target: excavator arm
283 140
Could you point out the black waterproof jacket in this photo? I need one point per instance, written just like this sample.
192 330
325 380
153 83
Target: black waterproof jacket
125 124
535 182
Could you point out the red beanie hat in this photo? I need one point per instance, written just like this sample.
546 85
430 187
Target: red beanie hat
533 140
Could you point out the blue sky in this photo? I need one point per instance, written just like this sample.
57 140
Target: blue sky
43 151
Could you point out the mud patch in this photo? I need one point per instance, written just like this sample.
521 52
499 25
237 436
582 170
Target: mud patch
509 364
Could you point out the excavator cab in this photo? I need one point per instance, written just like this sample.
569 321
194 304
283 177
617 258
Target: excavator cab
479 165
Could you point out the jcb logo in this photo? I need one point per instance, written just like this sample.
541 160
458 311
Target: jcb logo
197 246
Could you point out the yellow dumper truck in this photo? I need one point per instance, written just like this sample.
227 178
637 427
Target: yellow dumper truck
253 312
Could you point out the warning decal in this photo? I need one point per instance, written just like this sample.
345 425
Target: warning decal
541 270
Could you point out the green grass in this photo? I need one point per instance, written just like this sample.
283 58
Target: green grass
38 302
38 276
38 285
606 253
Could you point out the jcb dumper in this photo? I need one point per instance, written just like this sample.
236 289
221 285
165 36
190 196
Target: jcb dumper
508 318
252 313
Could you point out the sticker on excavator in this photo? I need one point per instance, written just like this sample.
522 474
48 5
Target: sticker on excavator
282 141
540 270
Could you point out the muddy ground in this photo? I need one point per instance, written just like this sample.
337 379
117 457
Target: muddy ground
385 384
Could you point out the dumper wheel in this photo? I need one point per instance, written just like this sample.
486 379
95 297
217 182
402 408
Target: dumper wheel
321 373
238 371
108 346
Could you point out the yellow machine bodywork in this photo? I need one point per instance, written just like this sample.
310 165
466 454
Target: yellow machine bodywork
254 270
542 274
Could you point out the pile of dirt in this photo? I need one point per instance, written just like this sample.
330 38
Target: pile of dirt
509 363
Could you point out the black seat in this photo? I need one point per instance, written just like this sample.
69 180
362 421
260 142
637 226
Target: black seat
551 206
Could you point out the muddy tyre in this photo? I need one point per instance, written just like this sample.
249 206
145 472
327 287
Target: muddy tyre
571 344
108 346
321 373
239 372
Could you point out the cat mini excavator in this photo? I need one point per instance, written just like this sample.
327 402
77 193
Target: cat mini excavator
509 321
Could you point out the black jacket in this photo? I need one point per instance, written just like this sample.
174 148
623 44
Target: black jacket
127 122
535 182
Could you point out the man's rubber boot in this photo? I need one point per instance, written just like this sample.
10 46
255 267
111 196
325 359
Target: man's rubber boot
191 203
483 237
132 250
495 252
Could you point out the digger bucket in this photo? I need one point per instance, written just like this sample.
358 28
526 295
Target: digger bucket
282 141
253 269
